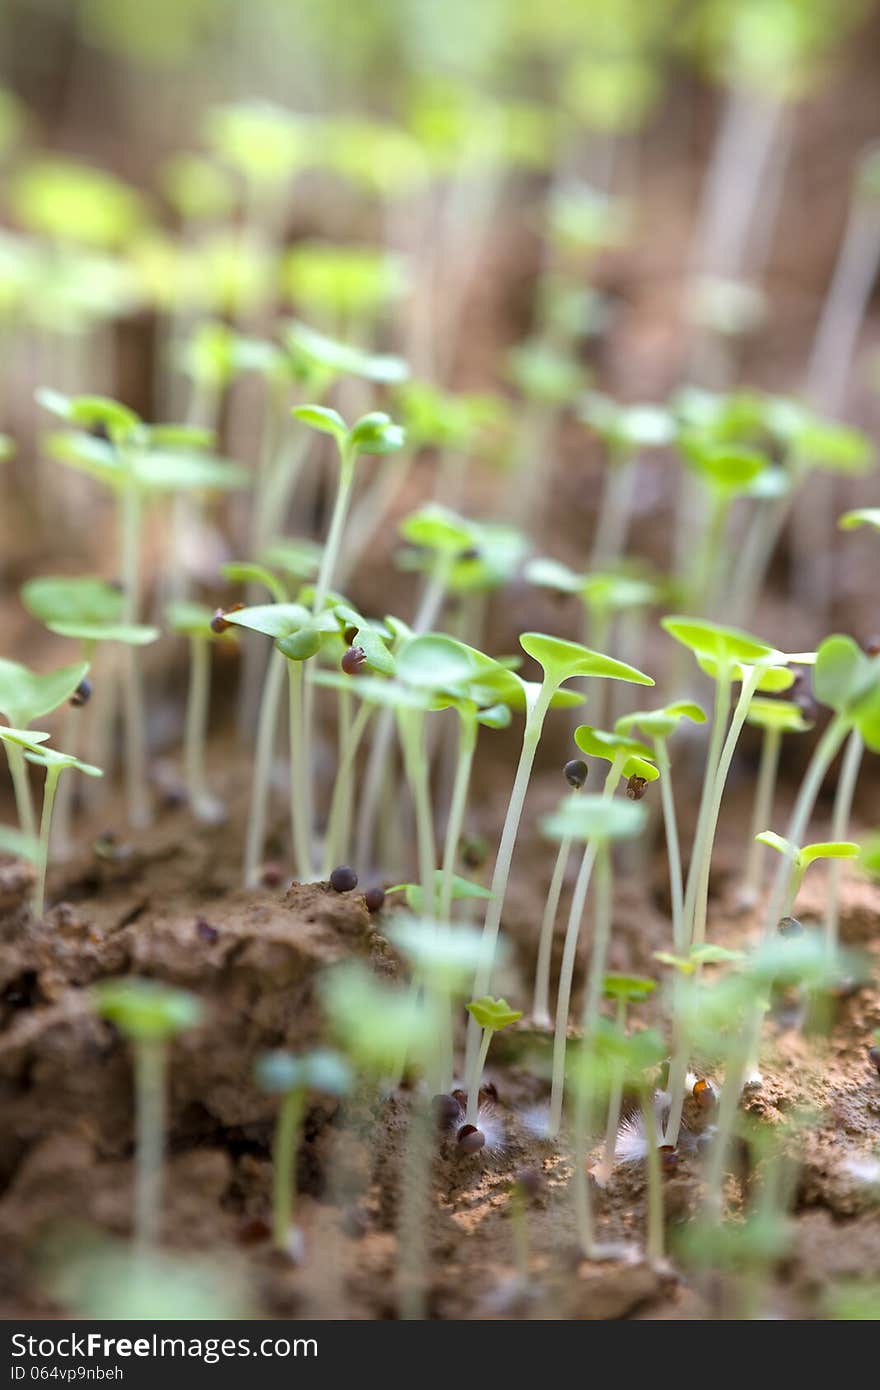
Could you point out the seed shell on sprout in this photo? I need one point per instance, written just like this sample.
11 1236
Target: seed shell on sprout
575 772
470 1139
374 899
790 926
343 879
219 625
704 1094
353 660
82 694
636 787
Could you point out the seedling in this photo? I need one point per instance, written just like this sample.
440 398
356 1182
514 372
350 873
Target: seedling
24 697
624 990
775 718
727 472
195 622
290 1078
801 859
491 1015
597 821
659 725
625 431
149 1014
860 516
54 764
575 772
560 661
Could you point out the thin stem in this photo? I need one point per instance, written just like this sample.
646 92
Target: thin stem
615 1095
139 812
414 1211
654 1239
473 1101
300 829
333 543
150 1057
411 724
583 1104
713 756
287 1130
201 802
24 801
49 789
267 723
840 818
501 872
673 849
569 953
601 940
615 509
541 997
762 812
338 822
467 742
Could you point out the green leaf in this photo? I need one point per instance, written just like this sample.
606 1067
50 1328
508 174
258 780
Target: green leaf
843 675
321 417
462 888
281 1073
802 960
16 843
779 843
262 141
783 715
447 956
376 433
244 572
773 679
493 1014
860 516
562 660
29 739
438 529
299 558
300 645
439 663
728 645
374 690
600 818
74 203
91 412
271 619
190 619
725 469
376 1023
660 723
596 743
26 696
829 849
312 349
50 758
146 1009
86 609
633 988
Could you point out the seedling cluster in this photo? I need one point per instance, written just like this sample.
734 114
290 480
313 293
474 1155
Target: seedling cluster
298 535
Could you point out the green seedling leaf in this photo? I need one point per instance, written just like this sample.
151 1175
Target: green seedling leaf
276 620
300 559
633 988
543 373
376 433
706 954
495 717
492 560
85 609
281 1073
244 572
438 529
436 662
312 350
493 1014
146 1009
772 681
301 645
562 660
627 426
7 447
191 619
26 696
600 818
322 418
829 849
374 690
29 739
596 743
444 955
260 140
803 960
16 843
375 1023
779 843
50 758
91 412
75 203
660 723
860 516
870 857
462 888
726 470
783 715
720 644
843 676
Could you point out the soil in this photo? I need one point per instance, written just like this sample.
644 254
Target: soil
168 906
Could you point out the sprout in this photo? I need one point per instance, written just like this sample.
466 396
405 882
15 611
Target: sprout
149 1014
195 622
801 859
775 718
291 1077
659 725
560 661
24 697
624 990
491 1015
597 821
73 203
54 764
625 431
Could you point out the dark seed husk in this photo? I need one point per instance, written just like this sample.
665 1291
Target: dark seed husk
470 1139
575 772
343 879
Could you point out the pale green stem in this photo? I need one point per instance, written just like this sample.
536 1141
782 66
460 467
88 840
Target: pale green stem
583 1105
711 556
615 1096
569 954
654 1238
287 1130
467 742
541 997
673 849
615 509
51 785
24 801
473 1101
520 1224
601 940
200 799
713 756
300 828
338 823
501 872
411 724
150 1058
139 811
843 800
333 543
762 812
267 723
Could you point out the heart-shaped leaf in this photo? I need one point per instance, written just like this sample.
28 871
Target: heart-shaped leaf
660 723
493 1014
783 715
26 696
599 818
562 660
145 1009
